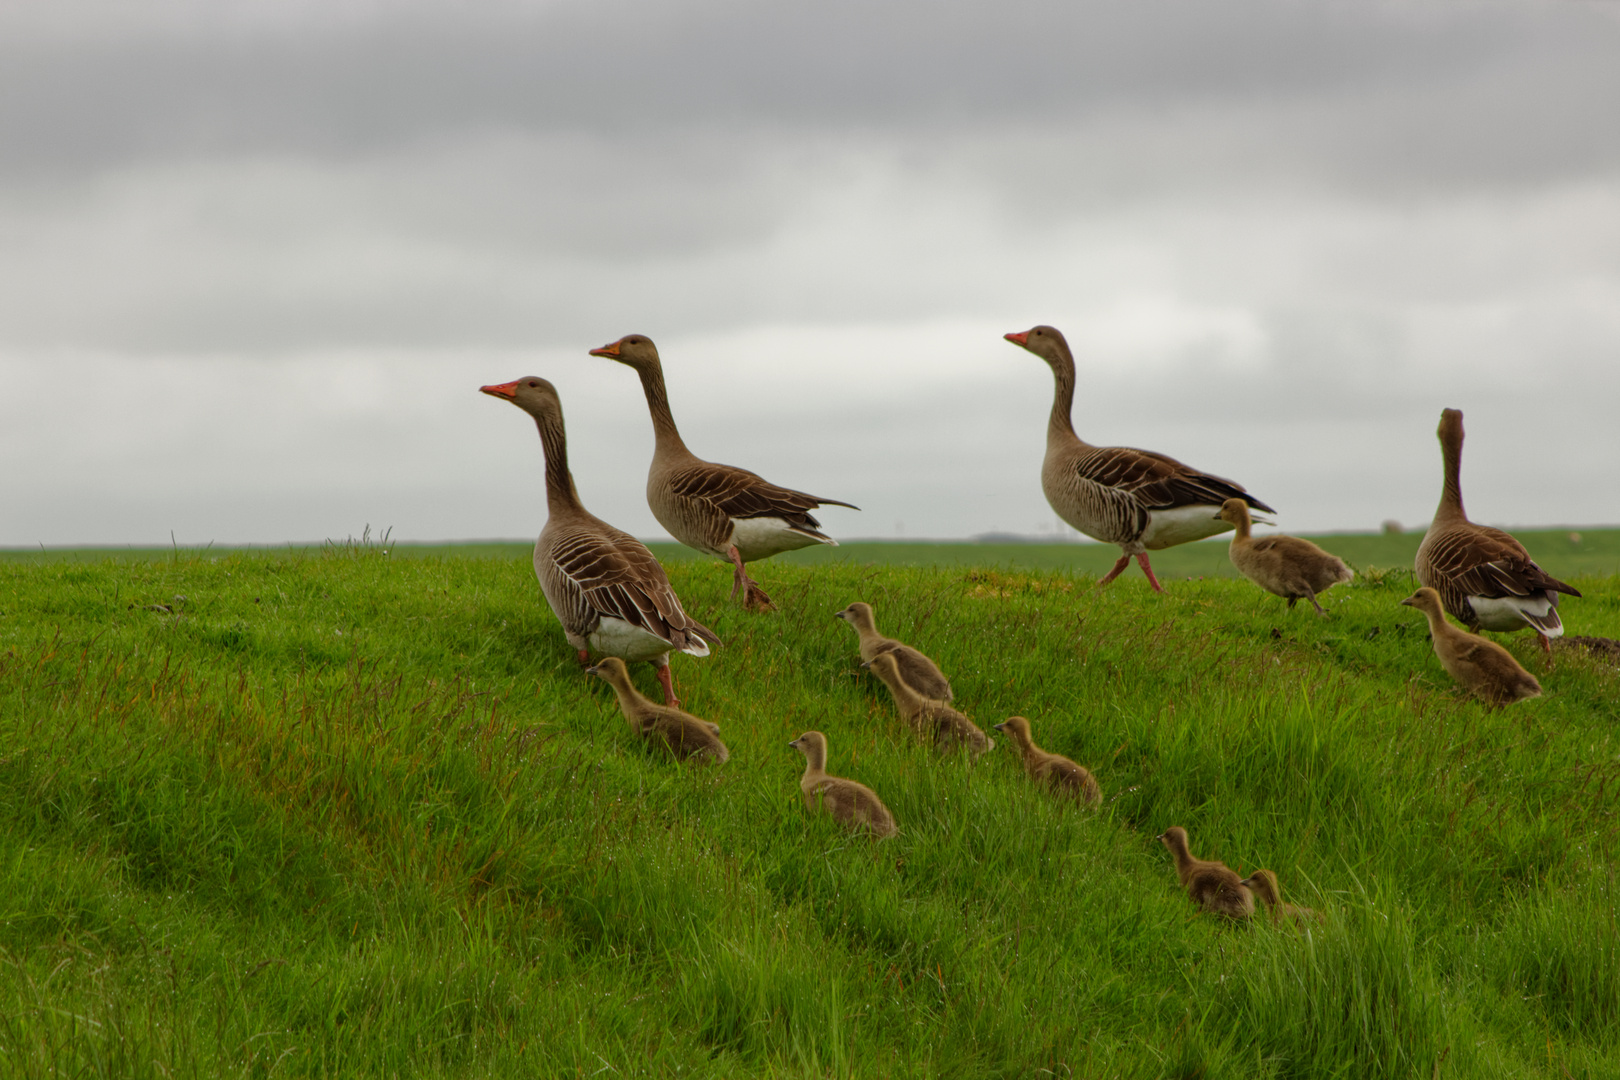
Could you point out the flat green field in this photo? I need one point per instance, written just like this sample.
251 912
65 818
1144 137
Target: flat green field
341 813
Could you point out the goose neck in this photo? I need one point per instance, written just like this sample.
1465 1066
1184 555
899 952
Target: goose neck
1060 425
1242 528
667 437
561 495
1451 504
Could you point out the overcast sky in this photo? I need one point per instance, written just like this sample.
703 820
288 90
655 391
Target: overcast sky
256 258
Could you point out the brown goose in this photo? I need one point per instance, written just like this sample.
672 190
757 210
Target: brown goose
1137 499
1054 770
681 733
720 510
1263 883
922 673
1287 566
1484 577
1210 885
936 721
1481 665
604 586
847 801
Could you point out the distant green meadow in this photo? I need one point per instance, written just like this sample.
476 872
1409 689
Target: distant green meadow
340 812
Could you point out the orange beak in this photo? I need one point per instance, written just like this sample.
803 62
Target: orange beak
607 350
507 390
1018 339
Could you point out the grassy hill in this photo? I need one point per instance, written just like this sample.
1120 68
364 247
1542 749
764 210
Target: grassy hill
346 813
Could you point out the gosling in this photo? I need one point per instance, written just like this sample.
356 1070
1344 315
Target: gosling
682 734
1483 667
1286 566
935 720
1210 885
1054 770
1263 883
921 672
852 803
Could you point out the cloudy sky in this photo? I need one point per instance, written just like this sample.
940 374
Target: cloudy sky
257 257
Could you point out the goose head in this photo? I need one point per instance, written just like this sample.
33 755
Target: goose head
1235 511
1425 600
1263 883
532 394
1015 727
857 614
1046 342
633 350
609 669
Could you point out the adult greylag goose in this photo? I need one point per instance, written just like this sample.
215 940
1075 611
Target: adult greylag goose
681 733
922 673
1210 885
1485 578
1287 566
1137 499
1481 665
720 510
934 720
1263 884
846 800
1054 770
603 585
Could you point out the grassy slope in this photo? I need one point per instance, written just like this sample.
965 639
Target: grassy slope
351 814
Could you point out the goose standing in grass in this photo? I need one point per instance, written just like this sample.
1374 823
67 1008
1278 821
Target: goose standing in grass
1137 499
603 585
919 671
1484 577
1054 770
720 510
682 734
1210 885
847 801
1481 665
1287 566
934 720
1263 883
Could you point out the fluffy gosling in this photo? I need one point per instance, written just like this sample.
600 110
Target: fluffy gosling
1210 885
922 673
1483 667
681 733
934 720
852 803
1286 566
1054 770
1263 883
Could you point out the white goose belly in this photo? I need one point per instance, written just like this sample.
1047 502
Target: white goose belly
615 637
762 537
1508 612
1181 525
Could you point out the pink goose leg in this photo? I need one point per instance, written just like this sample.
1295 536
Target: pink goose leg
1119 568
1147 569
754 598
668 684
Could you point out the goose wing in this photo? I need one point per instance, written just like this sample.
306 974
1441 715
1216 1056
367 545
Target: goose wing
1486 562
1157 481
738 493
610 573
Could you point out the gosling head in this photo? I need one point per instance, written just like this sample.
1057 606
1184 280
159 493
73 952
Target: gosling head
1174 838
857 614
633 350
1263 883
1235 511
812 744
1425 600
609 669
1016 727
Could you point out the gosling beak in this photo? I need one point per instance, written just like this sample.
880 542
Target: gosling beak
592 670
867 666
1001 727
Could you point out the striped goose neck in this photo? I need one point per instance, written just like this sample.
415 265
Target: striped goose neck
561 495
1451 503
667 437
1060 426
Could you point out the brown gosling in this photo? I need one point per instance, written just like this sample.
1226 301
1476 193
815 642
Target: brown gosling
935 720
1210 885
1483 667
1286 566
921 672
1054 770
1263 883
852 803
682 734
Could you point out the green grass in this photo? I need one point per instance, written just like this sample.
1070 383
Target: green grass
342 813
